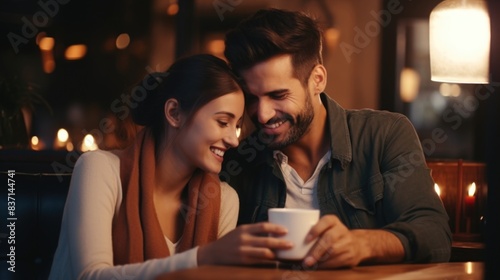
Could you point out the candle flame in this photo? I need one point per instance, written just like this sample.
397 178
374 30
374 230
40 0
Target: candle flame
437 189
472 189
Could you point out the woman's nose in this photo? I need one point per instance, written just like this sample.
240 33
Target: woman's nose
232 138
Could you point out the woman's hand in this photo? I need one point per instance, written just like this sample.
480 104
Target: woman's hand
246 244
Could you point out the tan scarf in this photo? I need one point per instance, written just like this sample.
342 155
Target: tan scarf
137 235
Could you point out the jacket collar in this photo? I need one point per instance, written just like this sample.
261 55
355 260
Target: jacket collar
340 139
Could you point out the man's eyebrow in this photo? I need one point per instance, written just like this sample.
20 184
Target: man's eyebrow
277 91
249 95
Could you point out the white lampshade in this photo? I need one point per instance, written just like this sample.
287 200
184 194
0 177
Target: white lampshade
459 37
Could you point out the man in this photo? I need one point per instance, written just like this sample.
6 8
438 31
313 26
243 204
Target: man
364 169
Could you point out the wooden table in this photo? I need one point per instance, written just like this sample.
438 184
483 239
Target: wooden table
456 271
467 251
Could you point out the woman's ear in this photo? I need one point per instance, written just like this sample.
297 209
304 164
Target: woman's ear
173 112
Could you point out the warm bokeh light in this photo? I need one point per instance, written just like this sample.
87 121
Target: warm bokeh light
437 189
216 46
75 52
122 41
36 144
450 89
62 135
332 36
62 140
468 267
49 65
69 147
409 84
89 140
472 189
46 43
173 9
88 143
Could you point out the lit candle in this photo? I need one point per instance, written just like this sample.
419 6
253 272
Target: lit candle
470 200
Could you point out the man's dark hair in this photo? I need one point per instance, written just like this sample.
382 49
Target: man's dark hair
272 32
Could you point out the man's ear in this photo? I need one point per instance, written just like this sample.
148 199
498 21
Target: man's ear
318 79
173 112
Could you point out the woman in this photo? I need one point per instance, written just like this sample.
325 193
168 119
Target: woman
158 205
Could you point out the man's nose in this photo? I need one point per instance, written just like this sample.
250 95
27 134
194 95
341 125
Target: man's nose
265 111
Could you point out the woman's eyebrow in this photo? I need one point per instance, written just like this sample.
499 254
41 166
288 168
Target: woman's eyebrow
225 113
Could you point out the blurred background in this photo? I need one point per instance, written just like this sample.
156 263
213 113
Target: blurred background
68 66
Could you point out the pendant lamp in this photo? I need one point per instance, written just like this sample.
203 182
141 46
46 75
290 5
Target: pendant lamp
459 37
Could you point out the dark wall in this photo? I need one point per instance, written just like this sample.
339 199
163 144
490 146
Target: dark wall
492 136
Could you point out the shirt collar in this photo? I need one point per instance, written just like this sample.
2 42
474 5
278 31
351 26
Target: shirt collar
280 157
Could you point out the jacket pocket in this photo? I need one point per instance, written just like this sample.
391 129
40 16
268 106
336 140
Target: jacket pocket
362 203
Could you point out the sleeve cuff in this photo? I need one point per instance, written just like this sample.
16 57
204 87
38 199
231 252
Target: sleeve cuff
406 244
187 259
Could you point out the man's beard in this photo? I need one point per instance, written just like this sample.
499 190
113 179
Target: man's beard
298 126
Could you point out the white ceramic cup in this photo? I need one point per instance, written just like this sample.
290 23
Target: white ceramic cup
298 222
